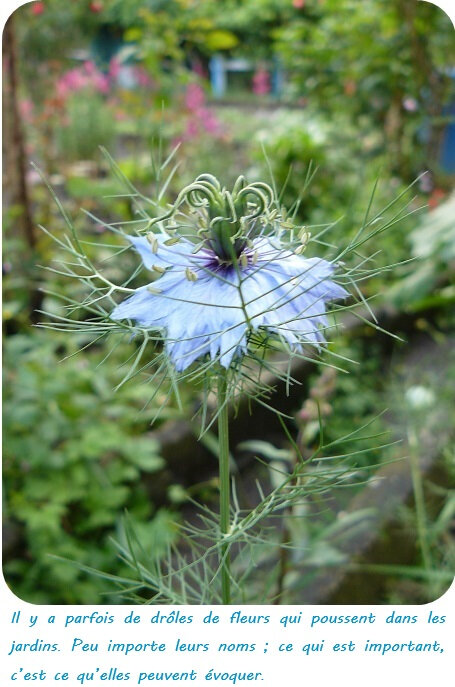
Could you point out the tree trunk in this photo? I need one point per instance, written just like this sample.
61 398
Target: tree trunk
15 160
13 137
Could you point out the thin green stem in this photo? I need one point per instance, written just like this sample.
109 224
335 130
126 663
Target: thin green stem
419 500
225 487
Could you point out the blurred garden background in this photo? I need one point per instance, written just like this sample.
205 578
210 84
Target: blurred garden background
344 97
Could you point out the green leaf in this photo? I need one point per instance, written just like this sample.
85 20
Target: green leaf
220 40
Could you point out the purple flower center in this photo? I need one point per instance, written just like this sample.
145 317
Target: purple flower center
211 261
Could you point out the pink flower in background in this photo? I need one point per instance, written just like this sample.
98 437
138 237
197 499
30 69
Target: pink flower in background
26 110
101 83
114 68
191 130
200 118
194 96
90 67
298 4
78 78
37 8
142 77
261 82
209 121
72 80
96 7
410 104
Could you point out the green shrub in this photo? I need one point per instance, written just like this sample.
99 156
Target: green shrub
75 456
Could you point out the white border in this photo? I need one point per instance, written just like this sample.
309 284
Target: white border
291 669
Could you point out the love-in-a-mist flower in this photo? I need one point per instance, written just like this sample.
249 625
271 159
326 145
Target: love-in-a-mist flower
228 274
229 285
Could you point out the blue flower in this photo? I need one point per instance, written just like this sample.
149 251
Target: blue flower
207 304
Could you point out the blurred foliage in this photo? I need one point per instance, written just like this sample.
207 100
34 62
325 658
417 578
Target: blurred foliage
89 125
347 70
75 457
427 283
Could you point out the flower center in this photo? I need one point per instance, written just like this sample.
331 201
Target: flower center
215 263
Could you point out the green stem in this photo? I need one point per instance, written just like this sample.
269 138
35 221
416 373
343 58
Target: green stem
225 487
419 500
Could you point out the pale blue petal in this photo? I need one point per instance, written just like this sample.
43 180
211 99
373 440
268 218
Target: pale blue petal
284 293
165 256
233 343
284 307
313 273
141 307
